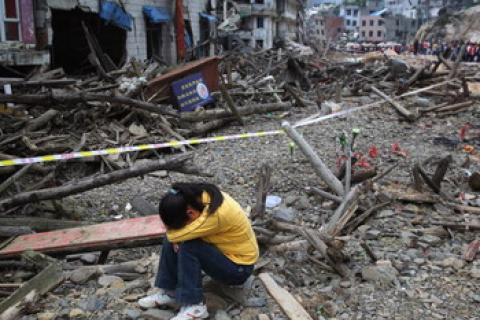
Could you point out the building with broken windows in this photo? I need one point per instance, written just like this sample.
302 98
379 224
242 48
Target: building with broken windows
73 34
79 35
258 23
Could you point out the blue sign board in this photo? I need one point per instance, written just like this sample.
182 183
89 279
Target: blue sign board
191 92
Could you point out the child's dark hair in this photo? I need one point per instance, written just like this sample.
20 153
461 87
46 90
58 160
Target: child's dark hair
174 205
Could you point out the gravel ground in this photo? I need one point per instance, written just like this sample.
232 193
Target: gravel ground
428 281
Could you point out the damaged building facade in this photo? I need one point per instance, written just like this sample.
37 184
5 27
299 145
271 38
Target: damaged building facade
64 33
54 31
18 39
258 23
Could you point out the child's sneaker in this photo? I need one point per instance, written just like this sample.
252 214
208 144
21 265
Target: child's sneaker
192 311
161 298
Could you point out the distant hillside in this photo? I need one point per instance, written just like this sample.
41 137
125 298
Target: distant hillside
463 25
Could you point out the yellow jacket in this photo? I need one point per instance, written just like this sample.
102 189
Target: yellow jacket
228 229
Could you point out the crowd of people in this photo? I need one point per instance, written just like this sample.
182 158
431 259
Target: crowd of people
450 50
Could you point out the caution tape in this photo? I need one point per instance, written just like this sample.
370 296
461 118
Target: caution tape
143 147
86 154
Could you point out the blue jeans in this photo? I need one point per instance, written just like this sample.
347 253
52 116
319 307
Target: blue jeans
181 271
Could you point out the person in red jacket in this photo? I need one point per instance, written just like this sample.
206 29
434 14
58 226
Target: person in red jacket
471 51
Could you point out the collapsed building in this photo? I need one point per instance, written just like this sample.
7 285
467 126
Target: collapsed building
55 32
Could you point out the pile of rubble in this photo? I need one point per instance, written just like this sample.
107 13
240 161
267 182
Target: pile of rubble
358 201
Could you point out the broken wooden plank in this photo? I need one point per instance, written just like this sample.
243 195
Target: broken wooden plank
319 167
292 308
47 280
100 237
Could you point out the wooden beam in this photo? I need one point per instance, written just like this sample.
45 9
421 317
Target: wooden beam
467 209
263 189
400 108
99 237
47 280
292 308
206 115
343 213
231 105
47 99
174 163
318 166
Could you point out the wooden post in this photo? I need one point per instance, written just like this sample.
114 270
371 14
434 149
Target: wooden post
454 71
318 166
263 188
348 170
401 109
441 171
230 104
